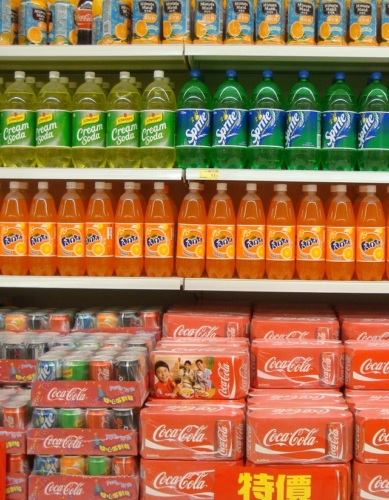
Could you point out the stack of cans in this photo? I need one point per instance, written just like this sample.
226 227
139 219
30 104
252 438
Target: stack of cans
36 320
27 345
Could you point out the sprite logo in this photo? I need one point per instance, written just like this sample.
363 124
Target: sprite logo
340 124
200 128
370 125
230 128
265 126
294 126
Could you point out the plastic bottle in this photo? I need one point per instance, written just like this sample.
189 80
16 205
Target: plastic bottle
221 235
193 141
80 188
340 237
53 124
138 189
362 190
72 88
157 123
123 124
84 22
25 190
18 124
385 203
229 124
303 127
159 234
266 125
42 237
110 193
280 236
99 233
311 231
71 233
14 232
250 236
373 126
129 233
370 238
191 234
88 125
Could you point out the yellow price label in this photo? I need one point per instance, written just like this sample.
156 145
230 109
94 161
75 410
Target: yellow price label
209 174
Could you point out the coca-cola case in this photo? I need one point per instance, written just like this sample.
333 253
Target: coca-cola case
370 481
310 396
372 435
365 329
367 365
16 486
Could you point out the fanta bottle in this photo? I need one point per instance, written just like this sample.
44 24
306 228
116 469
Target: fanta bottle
72 88
340 237
250 236
138 190
370 238
99 233
129 233
14 232
221 235
191 234
159 234
385 203
311 231
280 236
362 190
42 233
71 233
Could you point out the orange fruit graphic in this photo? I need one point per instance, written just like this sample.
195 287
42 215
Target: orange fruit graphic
79 249
263 30
6 38
73 37
141 28
325 31
230 251
34 35
163 249
136 249
98 249
59 40
348 253
315 252
201 30
233 28
200 251
378 254
297 30
121 31
46 248
286 252
385 31
355 31
167 29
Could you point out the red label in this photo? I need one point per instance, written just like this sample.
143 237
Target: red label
14 239
310 243
370 244
250 242
71 240
99 242
129 240
191 241
280 243
159 240
84 19
220 241
42 239
340 244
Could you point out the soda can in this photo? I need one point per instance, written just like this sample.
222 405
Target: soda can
14 350
107 344
49 367
129 318
71 418
60 322
85 320
98 418
127 369
223 439
92 343
46 465
44 418
101 368
125 419
35 348
18 464
16 321
328 369
75 369
72 465
98 466
124 466
335 440
37 320
14 415
107 320
150 318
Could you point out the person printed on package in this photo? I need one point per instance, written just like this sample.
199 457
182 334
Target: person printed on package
203 375
165 387
188 375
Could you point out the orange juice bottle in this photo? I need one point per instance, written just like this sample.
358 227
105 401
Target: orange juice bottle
221 229
250 236
191 234
99 233
159 234
340 237
370 238
42 233
129 233
71 233
14 232
280 236
311 228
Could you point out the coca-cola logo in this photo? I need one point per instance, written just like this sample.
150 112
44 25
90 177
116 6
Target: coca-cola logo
271 335
223 370
70 488
103 374
191 481
299 397
299 364
378 483
333 438
327 372
302 437
224 439
188 434
367 336
381 438
304 411
75 394
202 331
239 438
377 367
73 442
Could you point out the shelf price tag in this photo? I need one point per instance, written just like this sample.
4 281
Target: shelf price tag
209 174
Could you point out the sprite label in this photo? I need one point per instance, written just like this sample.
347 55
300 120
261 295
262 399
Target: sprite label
122 129
88 129
339 130
303 129
18 128
158 128
229 127
266 128
373 130
193 128
53 128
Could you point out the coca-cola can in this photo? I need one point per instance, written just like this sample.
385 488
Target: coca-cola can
125 418
98 418
124 466
101 368
18 464
129 318
127 369
14 415
150 318
14 350
328 369
334 436
36 348
60 322
223 439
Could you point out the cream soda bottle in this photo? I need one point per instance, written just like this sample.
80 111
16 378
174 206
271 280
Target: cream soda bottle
221 235
280 236
250 236
53 124
129 233
370 238
99 233
191 234
14 232
42 233
71 233
311 232
340 237
159 234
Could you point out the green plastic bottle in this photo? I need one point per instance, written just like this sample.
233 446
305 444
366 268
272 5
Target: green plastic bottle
123 124
303 126
53 124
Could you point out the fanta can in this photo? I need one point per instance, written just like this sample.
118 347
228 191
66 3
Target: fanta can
116 21
270 22
146 21
362 22
301 22
240 21
62 22
32 22
176 19
208 21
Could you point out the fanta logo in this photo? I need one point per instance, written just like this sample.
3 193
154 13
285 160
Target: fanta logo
70 239
90 119
300 437
369 366
16 118
12 238
379 484
341 124
231 122
254 241
340 243
126 240
202 331
91 238
298 364
189 434
200 128
191 481
370 243
75 394
192 240
278 242
223 371
305 243
294 126
370 126
381 438
222 242
71 488
69 442
154 240
264 128
37 238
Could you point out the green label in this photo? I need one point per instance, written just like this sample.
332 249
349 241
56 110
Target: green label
88 129
303 129
339 130
266 128
158 128
122 129
53 128
18 127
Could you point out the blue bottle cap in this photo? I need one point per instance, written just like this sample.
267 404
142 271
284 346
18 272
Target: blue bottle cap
376 76
231 73
303 74
340 75
267 73
195 73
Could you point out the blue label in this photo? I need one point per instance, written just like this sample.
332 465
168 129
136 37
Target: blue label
303 129
266 127
339 130
373 130
193 128
229 127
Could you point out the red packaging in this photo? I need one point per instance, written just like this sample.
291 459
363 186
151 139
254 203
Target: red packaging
370 481
372 435
16 486
371 329
17 371
230 403
367 365
15 439
311 396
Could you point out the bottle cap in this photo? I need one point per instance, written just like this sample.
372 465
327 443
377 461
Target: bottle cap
251 186
106 85
73 85
43 185
14 185
71 185
159 74
280 187
159 185
64 80
340 75
23 185
137 186
124 75
340 188
231 73
267 73
194 185
195 73
80 185
334 188
98 80
221 186
376 75
90 75
129 185
108 185
20 75
303 74
362 189
99 185
54 75
309 188
31 80
133 80
371 189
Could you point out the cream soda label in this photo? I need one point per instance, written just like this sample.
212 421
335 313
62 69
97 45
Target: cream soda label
122 129
18 127
158 128
88 129
53 128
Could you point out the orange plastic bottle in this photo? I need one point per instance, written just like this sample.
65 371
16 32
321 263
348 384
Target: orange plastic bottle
110 193
138 190
159 234
129 233
385 203
221 235
191 234
327 202
362 190
370 241
280 236
340 237
311 232
42 233
81 192
71 233
99 224
250 236
25 190
14 232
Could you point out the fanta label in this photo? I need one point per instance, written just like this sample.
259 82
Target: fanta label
370 244
220 241
373 130
14 239
116 21
240 21
191 241
363 23
157 129
340 244
71 239
384 23
250 242
310 243
193 128
159 240
122 129
266 128
280 242
339 130
32 23
8 23
176 21
208 21
270 22
99 239
18 128
62 24
53 128
42 240
303 129
146 21
301 22
332 22
129 240
88 129
229 127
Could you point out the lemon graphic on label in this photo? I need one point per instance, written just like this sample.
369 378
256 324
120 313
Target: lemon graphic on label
46 248
286 253
378 254
163 250
348 253
98 249
199 251
136 249
79 249
261 252
230 251
315 252
20 248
